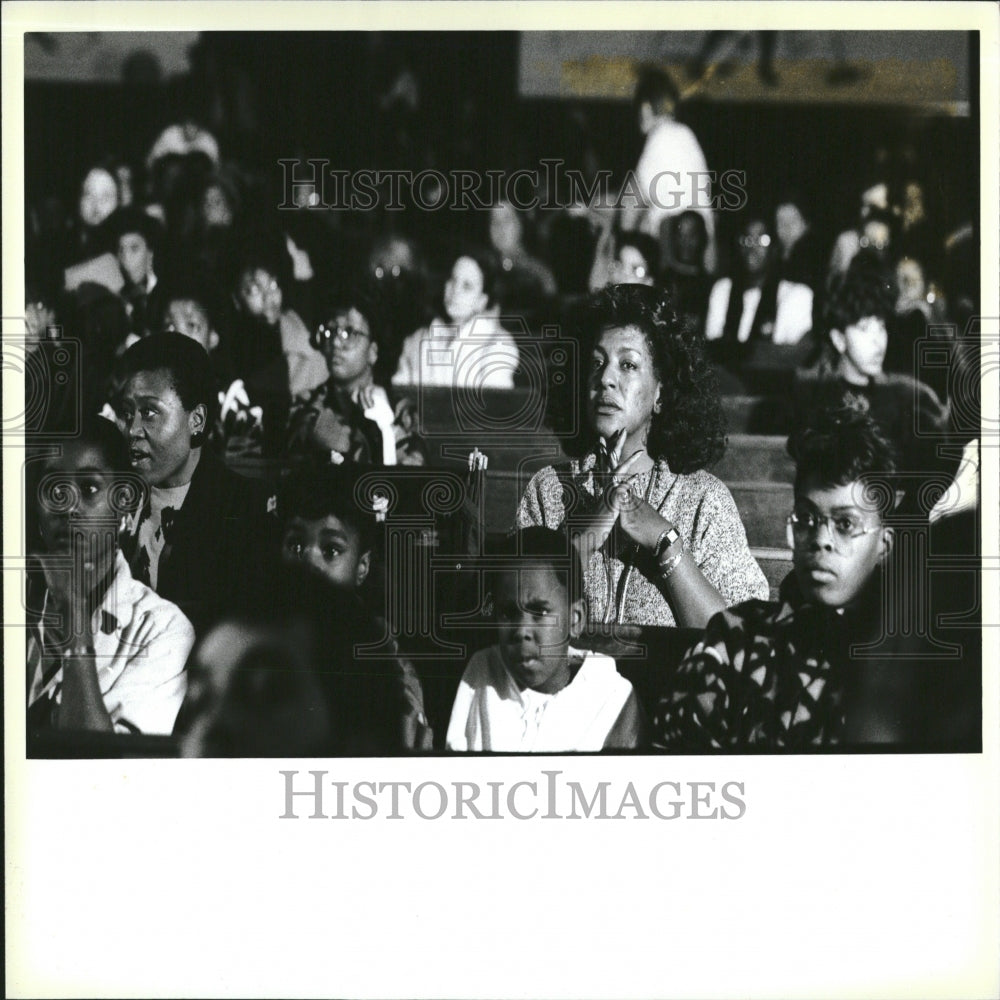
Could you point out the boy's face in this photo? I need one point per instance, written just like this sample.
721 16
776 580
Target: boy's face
329 546
834 559
98 197
536 622
134 257
862 348
188 317
348 348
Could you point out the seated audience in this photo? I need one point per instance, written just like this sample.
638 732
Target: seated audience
271 347
756 305
193 311
137 237
524 282
659 537
532 691
349 417
782 675
198 538
105 653
684 271
324 528
469 349
852 360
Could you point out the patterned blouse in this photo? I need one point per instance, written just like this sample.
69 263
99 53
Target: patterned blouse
621 581
763 676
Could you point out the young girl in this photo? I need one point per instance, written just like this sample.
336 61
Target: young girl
468 349
532 691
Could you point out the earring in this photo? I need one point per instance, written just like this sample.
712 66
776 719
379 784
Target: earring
197 439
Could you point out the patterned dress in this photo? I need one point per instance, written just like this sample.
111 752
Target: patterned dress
621 581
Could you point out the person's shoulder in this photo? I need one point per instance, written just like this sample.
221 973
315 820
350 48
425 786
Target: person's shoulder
703 484
166 617
483 667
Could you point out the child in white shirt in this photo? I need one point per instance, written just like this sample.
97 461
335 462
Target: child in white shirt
533 691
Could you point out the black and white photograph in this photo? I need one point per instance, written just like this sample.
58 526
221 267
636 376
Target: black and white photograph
427 425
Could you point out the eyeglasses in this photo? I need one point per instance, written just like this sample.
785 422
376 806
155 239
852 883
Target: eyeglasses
843 528
748 242
258 287
342 335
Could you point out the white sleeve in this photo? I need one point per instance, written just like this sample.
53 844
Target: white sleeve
794 313
718 304
147 693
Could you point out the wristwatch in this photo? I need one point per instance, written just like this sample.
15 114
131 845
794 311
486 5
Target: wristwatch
666 539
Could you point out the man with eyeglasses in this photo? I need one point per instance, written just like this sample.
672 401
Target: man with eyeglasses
781 675
350 418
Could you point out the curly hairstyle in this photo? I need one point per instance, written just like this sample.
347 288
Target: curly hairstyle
867 289
842 444
689 431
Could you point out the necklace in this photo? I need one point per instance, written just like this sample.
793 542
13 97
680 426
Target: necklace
614 610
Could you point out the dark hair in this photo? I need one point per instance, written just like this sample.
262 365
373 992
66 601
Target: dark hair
184 360
489 267
205 294
867 289
644 243
365 296
537 547
104 436
655 86
689 430
316 491
842 444
767 307
131 219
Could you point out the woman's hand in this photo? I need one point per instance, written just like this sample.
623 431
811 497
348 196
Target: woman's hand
639 519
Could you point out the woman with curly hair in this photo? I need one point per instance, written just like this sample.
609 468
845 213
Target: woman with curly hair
660 538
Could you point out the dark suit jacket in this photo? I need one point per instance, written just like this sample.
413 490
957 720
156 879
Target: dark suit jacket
216 546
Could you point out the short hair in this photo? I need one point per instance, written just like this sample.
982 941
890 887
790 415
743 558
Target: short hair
204 294
842 444
689 430
315 491
366 297
536 547
489 267
104 436
867 289
644 243
655 86
131 219
184 360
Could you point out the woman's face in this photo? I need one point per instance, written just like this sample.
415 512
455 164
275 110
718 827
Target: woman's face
98 197
505 228
159 429
76 512
463 291
624 386
862 348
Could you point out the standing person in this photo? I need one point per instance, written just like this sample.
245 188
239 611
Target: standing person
105 653
198 538
672 174
659 537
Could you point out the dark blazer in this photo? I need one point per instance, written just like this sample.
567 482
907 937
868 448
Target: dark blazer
216 545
